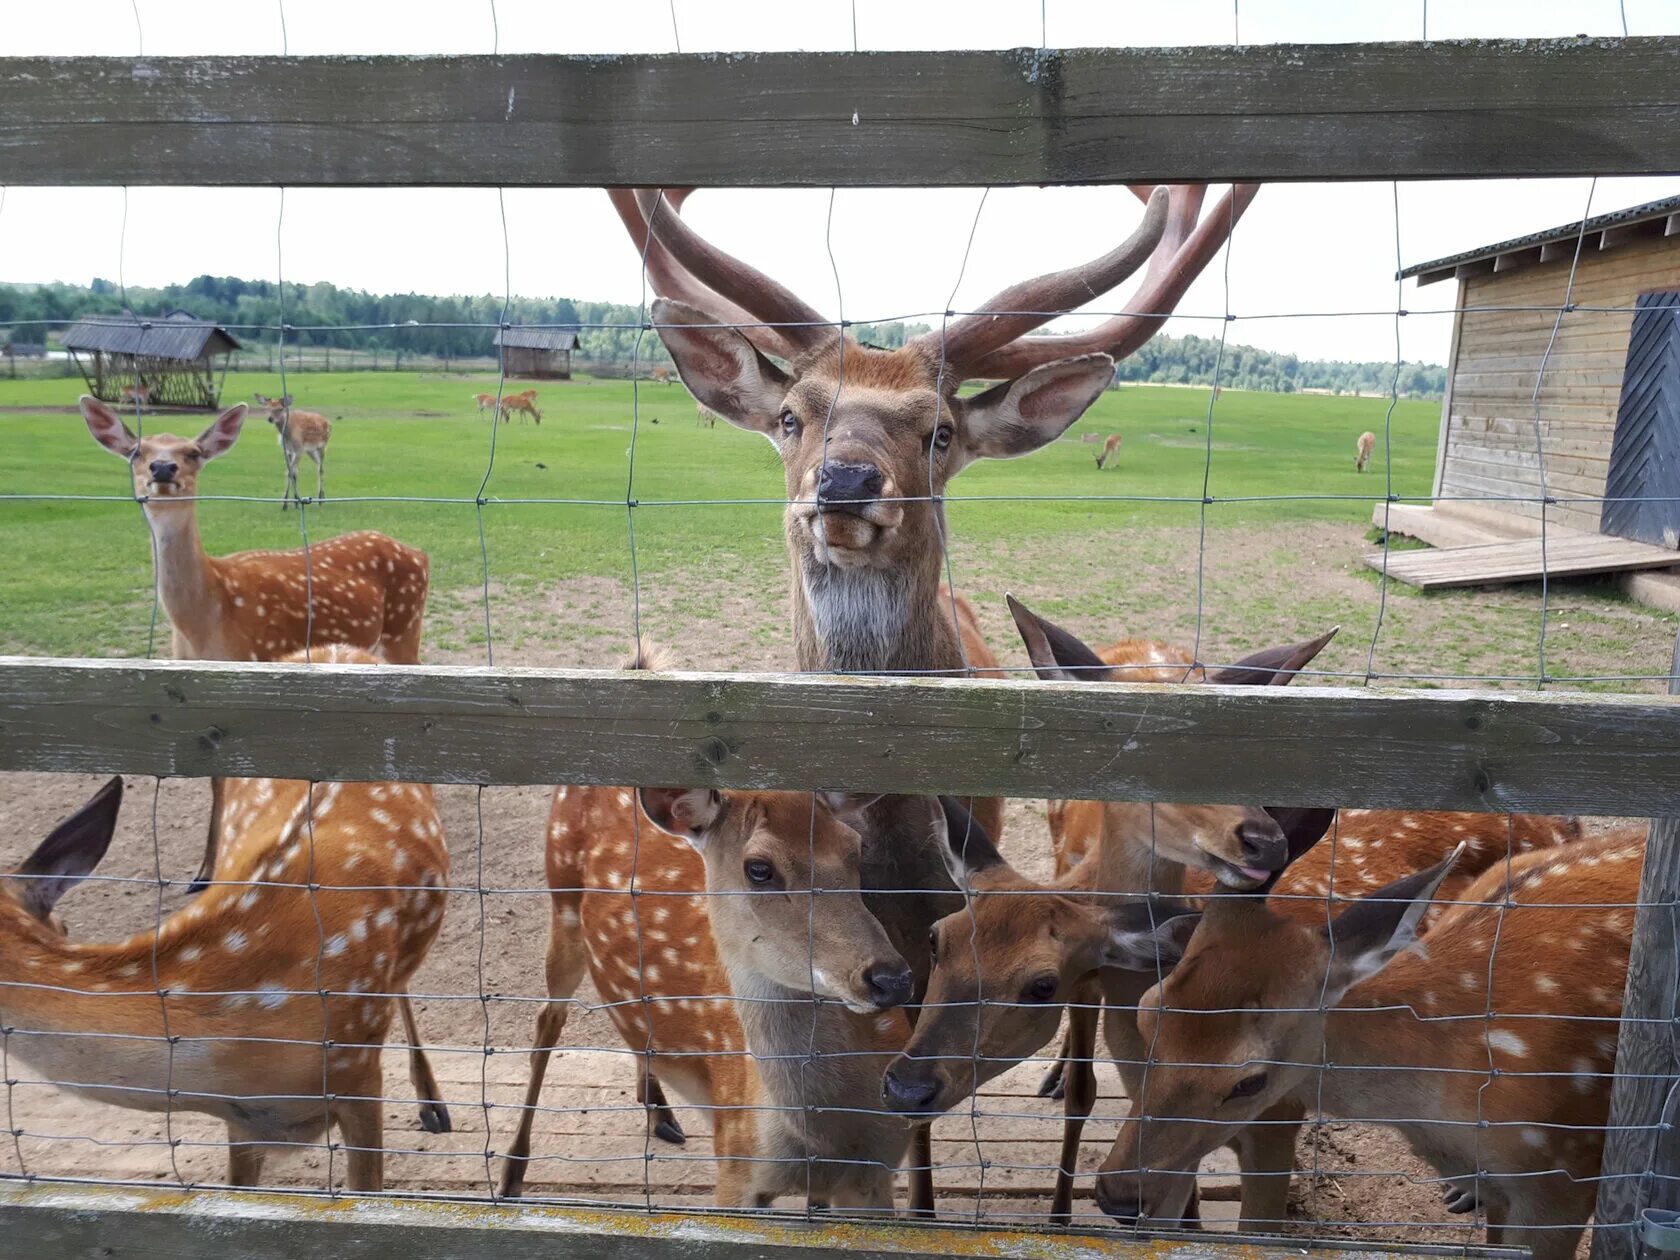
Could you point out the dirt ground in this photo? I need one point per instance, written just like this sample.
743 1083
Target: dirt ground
476 994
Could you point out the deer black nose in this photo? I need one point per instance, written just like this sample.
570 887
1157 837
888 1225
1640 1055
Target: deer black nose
163 471
1263 845
908 1093
1122 1205
887 985
848 483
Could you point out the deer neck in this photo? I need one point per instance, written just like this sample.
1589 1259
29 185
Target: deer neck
784 1025
185 573
873 620
1374 1027
1121 864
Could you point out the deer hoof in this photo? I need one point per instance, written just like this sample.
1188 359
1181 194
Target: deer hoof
1461 1199
434 1118
668 1130
1053 1086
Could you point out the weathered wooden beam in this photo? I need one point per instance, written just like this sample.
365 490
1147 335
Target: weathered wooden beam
1641 1166
1450 109
1485 750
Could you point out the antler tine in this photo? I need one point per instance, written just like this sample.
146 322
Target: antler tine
801 325
669 280
1036 302
1169 276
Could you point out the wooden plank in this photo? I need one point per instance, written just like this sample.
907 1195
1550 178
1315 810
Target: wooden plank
1566 554
1446 109
70 1222
1642 1142
1447 395
1489 751
1440 528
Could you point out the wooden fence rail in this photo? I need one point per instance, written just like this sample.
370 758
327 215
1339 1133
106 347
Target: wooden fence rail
1452 109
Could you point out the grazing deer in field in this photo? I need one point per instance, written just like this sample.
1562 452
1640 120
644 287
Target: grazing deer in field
140 395
1492 1052
1110 446
660 373
301 433
704 417
1362 457
810 970
524 402
363 589
485 402
266 1001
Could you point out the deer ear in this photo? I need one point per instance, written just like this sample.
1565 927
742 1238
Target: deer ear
968 850
261 401
1273 667
686 813
107 427
219 438
1019 416
285 400
1056 654
848 804
69 854
722 369
1367 936
1149 936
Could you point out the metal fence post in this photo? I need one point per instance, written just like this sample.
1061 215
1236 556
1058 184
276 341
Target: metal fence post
1641 1166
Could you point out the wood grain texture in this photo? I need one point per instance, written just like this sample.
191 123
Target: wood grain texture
1566 552
1641 1166
1487 750
95 1223
1447 109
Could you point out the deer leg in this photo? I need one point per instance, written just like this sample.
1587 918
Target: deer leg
245 1156
361 1122
320 458
734 1143
1053 1085
660 1116
434 1115
212 840
566 960
1079 1072
1266 1158
921 1172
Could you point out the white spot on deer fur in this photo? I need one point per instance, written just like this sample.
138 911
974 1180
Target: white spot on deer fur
250 897
1509 1042
335 945
186 954
235 941
1534 1137
1545 984
385 917
1586 1076
623 798
272 995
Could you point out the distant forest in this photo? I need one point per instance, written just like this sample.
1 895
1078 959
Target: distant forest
326 315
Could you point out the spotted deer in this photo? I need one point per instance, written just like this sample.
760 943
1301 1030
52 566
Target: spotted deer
1111 446
1492 1052
301 433
870 438
1362 456
363 589
723 908
266 1001
1047 942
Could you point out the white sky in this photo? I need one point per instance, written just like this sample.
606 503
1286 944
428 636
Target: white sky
1301 249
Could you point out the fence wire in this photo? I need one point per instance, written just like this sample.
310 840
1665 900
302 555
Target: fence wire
789 1055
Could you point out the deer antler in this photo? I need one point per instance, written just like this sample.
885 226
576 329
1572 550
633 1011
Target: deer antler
1185 247
742 288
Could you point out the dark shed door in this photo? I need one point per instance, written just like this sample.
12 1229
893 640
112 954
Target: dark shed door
1642 492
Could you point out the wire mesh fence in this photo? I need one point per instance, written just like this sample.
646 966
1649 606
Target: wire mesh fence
1377 1024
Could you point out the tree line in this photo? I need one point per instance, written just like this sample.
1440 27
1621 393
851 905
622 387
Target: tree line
323 314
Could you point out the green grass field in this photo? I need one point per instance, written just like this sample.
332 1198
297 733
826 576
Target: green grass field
76 577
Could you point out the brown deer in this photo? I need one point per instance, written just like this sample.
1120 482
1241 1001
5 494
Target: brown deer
661 373
140 395
1362 456
362 589
524 402
1110 445
485 402
301 433
1492 1053
724 907
1030 934
266 1001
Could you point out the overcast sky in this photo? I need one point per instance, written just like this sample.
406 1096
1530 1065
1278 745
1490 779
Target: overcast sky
1305 256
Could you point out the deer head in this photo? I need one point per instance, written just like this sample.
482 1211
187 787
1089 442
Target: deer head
788 868
1242 845
277 408
165 467
869 438
1238 1025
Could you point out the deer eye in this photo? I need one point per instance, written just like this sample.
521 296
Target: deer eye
1247 1087
195 453
759 871
790 424
1040 990
942 436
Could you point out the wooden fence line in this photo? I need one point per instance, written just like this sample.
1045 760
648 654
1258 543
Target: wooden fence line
1448 109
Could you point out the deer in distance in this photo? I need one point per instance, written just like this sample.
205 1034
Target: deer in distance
1362 456
524 402
266 1001
140 395
301 433
1111 447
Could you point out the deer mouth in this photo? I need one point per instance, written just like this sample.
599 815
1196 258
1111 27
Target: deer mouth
849 528
1233 874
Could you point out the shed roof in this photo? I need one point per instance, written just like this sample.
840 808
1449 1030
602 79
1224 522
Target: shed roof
1610 230
528 338
174 335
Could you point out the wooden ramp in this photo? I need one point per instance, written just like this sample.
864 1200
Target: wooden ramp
1474 550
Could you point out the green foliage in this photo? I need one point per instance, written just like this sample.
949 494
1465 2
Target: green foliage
1192 361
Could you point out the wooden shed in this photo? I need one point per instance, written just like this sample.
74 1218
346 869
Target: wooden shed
542 353
179 359
1573 421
